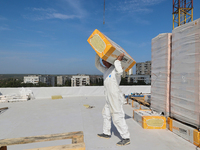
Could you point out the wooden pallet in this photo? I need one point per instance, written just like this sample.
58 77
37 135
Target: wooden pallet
78 146
77 141
140 100
3 108
185 131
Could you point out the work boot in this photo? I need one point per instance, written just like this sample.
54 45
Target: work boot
104 136
123 142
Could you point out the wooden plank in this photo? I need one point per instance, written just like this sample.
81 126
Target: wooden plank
3 148
140 101
77 139
139 98
78 146
24 140
3 109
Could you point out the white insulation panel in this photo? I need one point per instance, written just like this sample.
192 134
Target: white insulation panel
160 72
185 73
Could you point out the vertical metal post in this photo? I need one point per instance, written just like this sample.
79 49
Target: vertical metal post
173 21
182 12
192 10
173 15
179 13
104 12
185 11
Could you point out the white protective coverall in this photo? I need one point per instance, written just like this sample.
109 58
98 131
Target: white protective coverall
114 98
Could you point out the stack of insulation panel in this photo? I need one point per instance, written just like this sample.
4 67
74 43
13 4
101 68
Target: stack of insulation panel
160 72
185 73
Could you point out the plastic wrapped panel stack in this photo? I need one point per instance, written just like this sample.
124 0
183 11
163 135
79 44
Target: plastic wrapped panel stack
109 50
160 72
185 73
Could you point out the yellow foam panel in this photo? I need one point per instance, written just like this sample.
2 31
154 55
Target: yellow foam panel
109 50
188 133
56 97
148 120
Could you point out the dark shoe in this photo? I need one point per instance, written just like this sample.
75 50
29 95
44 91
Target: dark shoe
123 142
104 136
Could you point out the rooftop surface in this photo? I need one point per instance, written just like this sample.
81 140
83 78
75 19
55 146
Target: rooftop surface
47 116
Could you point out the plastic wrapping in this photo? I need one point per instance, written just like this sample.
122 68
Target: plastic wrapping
160 72
23 94
185 73
26 93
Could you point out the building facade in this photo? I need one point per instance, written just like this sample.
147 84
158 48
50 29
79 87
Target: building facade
52 80
137 78
63 80
143 68
80 80
130 72
31 79
43 79
95 79
60 80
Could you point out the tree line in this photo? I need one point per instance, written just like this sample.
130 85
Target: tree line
12 82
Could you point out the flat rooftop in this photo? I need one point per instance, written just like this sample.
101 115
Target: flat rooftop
46 116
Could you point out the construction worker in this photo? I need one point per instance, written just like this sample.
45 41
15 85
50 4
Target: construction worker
114 99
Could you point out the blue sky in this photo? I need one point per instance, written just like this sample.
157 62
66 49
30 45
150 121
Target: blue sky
50 36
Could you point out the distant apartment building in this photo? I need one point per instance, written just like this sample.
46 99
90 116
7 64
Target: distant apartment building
35 79
48 79
143 68
43 79
31 79
136 78
60 80
52 80
130 72
80 80
95 78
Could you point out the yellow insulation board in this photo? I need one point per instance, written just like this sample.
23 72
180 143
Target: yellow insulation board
109 50
188 133
148 120
56 97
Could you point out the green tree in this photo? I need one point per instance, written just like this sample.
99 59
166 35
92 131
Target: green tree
123 81
68 82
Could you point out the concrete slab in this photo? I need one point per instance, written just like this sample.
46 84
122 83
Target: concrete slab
47 116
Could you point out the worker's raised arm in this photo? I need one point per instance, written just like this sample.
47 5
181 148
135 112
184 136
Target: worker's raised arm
98 65
118 64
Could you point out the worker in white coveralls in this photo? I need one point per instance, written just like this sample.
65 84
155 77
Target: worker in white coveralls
114 99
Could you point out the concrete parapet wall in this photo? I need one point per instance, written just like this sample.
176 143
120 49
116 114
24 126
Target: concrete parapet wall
47 92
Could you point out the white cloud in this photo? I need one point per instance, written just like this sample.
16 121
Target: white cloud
141 6
20 54
44 10
77 7
44 15
3 28
30 44
2 18
151 2
69 9
61 16
142 21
